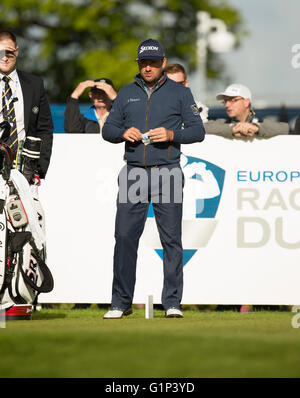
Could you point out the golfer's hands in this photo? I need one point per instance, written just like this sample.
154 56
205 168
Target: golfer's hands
132 134
161 134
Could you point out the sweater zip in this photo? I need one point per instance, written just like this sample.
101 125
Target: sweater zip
146 126
146 120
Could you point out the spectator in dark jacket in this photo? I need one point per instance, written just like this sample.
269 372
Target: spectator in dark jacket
24 105
102 94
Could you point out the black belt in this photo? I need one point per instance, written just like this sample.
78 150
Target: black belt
150 167
153 166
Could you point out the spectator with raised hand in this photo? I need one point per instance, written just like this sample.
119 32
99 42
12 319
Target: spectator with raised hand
242 122
102 94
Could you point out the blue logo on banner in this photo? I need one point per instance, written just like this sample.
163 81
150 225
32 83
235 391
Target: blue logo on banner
202 202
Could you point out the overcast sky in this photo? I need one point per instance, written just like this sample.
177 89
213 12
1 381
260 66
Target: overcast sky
264 61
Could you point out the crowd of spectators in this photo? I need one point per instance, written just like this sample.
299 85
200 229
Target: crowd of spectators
240 121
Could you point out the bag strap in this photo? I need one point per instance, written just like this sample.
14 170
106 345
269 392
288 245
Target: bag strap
48 283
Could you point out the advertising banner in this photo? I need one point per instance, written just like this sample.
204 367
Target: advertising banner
241 222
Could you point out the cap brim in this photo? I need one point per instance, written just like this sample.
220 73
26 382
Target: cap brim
220 96
150 57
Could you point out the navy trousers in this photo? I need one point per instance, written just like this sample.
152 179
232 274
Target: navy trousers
132 209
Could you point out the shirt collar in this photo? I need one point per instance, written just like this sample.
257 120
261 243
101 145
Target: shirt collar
13 75
251 116
249 119
162 79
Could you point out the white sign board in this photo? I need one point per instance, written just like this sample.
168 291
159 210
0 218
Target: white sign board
241 240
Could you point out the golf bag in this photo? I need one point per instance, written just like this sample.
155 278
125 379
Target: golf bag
23 269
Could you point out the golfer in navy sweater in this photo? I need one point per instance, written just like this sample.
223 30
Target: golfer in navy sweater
153 116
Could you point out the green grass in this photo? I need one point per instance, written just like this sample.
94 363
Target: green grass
65 343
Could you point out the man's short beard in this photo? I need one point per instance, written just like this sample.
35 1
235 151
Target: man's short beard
153 81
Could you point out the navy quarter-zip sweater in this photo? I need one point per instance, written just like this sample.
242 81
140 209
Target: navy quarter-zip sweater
169 105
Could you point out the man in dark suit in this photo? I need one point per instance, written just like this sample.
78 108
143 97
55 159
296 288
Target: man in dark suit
24 104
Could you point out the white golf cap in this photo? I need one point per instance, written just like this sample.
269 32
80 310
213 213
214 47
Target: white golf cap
235 90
